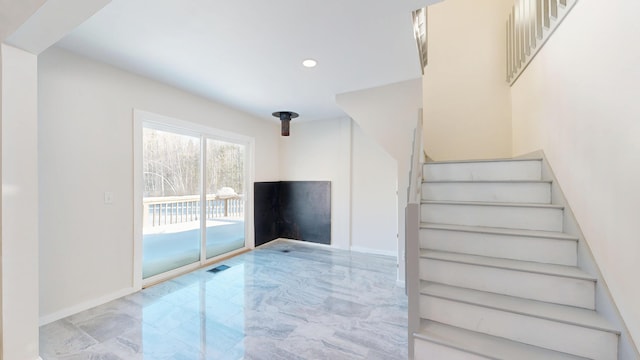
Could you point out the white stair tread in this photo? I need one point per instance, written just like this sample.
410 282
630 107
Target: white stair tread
517 265
479 161
485 345
562 313
482 203
500 231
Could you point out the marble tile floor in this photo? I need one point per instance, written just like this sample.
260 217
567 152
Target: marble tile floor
308 303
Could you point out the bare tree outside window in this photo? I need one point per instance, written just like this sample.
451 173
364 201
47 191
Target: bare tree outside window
171 164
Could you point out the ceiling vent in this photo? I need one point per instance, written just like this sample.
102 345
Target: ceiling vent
285 117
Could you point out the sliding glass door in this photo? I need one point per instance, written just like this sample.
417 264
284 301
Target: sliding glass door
225 188
171 203
193 199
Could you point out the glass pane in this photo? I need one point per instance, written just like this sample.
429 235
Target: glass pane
225 184
171 224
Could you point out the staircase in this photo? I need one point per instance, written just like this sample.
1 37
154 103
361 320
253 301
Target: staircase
498 277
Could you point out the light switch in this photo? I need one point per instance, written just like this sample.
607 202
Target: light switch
108 197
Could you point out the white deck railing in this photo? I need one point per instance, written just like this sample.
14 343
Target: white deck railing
529 26
412 234
168 210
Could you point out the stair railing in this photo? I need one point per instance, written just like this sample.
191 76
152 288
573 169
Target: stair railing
530 24
412 235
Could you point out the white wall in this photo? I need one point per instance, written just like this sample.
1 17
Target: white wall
466 98
14 15
321 150
24 338
53 21
19 245
578 101
363 181
86 148
389 114
374 207
1 263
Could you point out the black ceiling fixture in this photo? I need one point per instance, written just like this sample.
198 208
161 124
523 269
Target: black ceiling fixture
285 117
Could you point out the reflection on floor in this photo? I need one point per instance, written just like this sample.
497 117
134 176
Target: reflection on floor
172 246
309 303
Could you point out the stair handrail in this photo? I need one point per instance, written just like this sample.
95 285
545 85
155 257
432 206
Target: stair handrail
412 234
417 157
529 25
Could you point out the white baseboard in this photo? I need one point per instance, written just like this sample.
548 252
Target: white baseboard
61 314
374 251
358 249
293 241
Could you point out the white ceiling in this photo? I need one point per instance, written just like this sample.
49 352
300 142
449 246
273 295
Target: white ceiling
248 54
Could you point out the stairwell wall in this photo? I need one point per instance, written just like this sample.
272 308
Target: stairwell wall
388 114
577 101
374 208
466 99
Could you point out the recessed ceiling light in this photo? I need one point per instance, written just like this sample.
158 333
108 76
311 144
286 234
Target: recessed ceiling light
309 63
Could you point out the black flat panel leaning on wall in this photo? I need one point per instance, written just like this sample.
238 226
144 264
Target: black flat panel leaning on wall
305 211
299 210
266 209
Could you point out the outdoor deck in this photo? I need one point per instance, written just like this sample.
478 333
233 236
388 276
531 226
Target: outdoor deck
171 235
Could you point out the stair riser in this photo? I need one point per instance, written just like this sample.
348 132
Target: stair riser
430 350
483 171
572 339
550 251
542 287
527 218
539 193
